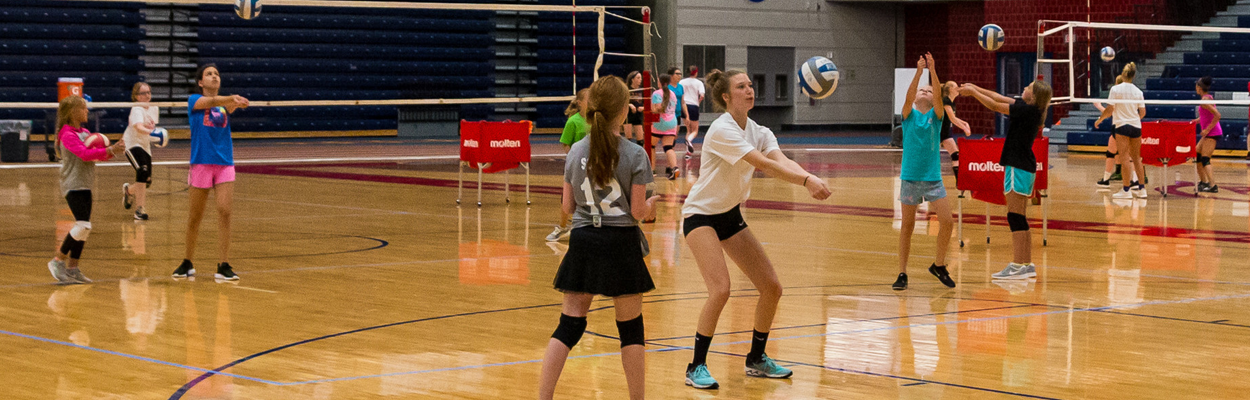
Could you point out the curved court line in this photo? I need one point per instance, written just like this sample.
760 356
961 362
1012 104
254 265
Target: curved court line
132 356
380 244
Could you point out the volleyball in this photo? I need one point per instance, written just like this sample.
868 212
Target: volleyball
247 9
1107 53
160 137
991 37
818 77
96 141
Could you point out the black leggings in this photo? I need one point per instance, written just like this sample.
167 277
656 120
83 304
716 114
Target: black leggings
80 205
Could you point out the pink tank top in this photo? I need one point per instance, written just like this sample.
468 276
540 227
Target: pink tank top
1205 117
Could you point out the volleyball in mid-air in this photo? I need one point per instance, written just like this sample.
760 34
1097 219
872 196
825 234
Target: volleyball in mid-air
991 37
247 9
160 137
1107 53
818 77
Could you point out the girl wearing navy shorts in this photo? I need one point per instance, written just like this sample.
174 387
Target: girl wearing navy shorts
732 150
212 167
605 179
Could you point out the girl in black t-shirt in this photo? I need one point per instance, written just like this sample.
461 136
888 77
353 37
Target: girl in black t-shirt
950 91
1019 165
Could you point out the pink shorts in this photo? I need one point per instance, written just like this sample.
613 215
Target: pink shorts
206 176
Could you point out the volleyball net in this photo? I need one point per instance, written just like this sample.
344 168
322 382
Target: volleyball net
1169 58
484 89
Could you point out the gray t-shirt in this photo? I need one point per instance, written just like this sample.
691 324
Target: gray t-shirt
611 204
76 174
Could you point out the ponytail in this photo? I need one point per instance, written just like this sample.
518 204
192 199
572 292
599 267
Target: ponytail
1130 72
608 99
575 106
667 93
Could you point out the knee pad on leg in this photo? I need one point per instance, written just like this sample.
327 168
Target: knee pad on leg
570 330
1204 160
1017 222
955 156
631 332
81 230
1110 154
668 148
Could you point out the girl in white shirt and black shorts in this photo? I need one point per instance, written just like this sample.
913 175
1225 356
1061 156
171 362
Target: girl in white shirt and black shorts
138 140
732 149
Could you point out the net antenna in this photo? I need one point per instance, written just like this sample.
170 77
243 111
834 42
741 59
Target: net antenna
601 11
1068 32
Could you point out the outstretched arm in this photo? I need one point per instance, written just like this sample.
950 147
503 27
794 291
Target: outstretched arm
939 108
777 165
989 102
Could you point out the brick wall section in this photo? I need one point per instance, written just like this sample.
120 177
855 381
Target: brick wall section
949 30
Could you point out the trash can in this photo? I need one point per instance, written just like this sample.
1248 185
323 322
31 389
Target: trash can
14 140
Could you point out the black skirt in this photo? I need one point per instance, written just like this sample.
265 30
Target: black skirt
606 261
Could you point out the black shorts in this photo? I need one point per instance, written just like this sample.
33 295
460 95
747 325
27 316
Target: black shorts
142 163
945 133
635 117
1128 131
694 113
726 224
79 204
606 261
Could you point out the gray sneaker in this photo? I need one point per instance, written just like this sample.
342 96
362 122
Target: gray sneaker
76 274
559 232
1016 271
57 268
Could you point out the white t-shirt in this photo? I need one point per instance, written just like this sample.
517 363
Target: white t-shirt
693 90
724 178
1126 113
135 137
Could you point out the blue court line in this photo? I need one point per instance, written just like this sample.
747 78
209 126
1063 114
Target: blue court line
132 356
1222 322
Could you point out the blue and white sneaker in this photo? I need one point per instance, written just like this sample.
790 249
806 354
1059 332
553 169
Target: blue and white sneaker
767 368
699 378
1016 271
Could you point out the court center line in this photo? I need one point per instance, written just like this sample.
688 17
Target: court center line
132 356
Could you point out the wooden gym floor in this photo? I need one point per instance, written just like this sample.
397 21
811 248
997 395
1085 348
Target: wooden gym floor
361 278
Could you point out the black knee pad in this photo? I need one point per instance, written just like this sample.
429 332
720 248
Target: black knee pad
570 330
1017 222
1110 154
631 332
955 156
1204 160
668 148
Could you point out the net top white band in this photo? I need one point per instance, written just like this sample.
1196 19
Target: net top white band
382 4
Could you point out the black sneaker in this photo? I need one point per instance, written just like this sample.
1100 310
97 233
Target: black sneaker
901 282
1105 183
1213 188
674 174
127 201
942 275
225 273
140 215
184 270
1201 187
1115 177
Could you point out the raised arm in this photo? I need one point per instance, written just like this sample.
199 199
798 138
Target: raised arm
939 101
956 122
911 90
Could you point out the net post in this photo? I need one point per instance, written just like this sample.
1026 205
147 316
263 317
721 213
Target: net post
1071 60
646 93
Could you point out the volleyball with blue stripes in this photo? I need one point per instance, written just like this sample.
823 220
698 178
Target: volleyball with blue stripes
991 37
818 77
1107 54
247 9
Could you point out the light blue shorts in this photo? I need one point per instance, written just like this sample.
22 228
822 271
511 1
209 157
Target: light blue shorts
915 192
1018 181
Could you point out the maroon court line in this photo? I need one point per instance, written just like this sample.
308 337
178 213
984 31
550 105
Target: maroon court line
1056 224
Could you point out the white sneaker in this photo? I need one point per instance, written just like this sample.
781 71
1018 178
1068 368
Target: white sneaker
559 232
1140 192
1122 194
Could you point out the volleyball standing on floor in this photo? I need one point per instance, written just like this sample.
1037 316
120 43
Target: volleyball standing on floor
575 129
693 91
138 140
1025 116
605 181
77 181
732 150
212 167
1209 121
1127 120
664 104
924 116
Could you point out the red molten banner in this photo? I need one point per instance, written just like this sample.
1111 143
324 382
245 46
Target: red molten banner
502 145
1168 142
981 174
